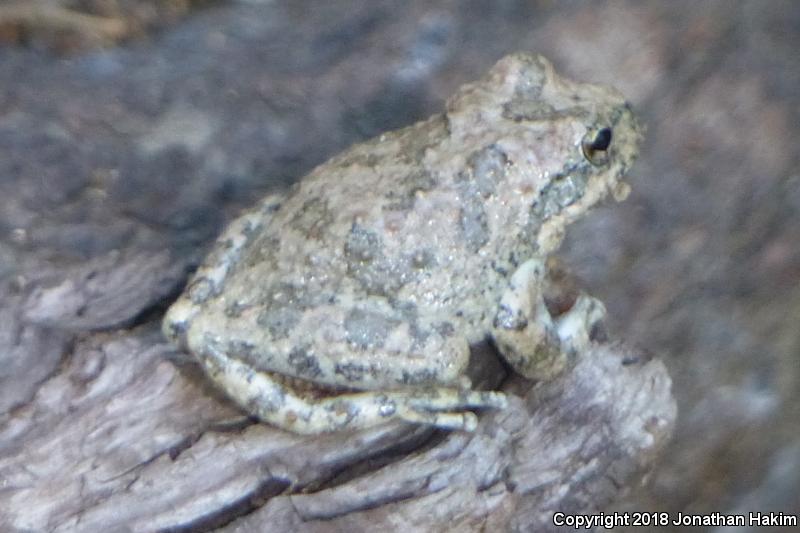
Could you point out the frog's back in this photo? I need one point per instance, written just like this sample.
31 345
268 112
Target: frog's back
387 219
363 262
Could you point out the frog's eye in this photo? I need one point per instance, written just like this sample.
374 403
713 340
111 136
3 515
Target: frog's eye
595 146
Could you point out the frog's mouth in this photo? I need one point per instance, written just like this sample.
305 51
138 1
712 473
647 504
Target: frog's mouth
566 189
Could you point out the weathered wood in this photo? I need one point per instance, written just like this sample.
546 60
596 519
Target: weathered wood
124 436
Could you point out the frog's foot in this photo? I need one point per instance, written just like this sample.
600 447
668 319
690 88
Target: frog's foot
435 406
577 326
209 279
534 343
278 404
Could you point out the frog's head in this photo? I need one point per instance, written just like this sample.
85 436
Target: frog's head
567 144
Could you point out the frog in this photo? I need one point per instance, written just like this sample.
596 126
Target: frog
352 299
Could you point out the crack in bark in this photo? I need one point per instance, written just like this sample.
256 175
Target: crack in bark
271 487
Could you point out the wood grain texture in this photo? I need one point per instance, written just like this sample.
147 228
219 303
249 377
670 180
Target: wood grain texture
123 435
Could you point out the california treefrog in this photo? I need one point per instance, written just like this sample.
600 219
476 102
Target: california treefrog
374 274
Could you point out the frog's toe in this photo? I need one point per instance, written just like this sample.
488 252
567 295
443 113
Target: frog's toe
492 399
465 421
576 327
440 407
447 399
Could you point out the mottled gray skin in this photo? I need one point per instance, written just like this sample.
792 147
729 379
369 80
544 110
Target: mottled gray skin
378 270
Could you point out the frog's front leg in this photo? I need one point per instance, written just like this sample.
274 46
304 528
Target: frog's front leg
534 343
278 404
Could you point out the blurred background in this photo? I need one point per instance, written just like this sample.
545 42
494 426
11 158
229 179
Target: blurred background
132 125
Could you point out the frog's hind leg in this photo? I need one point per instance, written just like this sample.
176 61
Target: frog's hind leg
279 404
209 279
534 343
